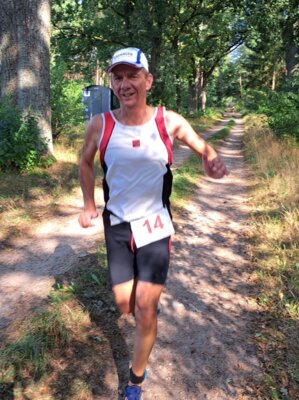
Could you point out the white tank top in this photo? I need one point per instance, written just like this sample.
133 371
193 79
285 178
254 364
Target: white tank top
136 162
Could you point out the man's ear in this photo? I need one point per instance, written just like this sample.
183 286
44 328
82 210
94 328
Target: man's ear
149 81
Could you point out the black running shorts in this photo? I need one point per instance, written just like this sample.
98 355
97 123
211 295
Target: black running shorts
148 263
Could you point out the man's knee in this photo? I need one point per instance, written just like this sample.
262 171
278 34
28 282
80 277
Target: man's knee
146 317
146 304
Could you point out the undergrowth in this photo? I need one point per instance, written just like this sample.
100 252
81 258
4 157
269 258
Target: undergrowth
275 253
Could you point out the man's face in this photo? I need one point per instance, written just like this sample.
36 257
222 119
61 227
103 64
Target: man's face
130 84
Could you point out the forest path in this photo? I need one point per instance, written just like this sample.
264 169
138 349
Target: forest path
205 348
29 265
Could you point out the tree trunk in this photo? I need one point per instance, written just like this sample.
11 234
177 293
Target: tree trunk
25 59
241 86
273 86
178 97
194 83
192 96
178 93
128 10
203 100
158 87
203 93
290 47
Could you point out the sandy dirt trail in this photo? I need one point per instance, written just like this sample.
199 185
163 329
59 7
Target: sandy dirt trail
29 265
205 345
204 349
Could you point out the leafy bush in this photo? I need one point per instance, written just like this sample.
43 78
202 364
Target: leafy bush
66 99
257 100
21 147
283 114
281 108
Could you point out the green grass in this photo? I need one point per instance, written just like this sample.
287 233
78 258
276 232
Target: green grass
31 353
185 179
222 133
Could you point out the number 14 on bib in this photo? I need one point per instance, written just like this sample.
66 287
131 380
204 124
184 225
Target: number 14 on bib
152 228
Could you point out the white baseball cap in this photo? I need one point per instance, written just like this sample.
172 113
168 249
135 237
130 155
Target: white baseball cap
129 56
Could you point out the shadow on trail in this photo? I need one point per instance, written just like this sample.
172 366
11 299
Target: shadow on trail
95 360
204 348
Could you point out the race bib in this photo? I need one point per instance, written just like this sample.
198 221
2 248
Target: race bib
152 228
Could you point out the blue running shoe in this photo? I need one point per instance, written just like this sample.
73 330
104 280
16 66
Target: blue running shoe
132 393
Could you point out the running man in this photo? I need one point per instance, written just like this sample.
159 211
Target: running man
135 149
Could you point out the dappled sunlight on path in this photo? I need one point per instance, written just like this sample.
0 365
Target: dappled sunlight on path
29 263
205 330
205 348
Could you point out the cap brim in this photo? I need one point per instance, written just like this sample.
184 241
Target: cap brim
110 68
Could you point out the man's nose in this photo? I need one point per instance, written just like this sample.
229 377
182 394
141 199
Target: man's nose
124 82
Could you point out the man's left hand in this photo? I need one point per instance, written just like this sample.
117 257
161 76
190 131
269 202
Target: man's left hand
214 168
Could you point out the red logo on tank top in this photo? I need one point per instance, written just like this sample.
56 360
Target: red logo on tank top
136 143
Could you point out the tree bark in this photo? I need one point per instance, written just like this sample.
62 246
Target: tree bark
178 93
203 100
241 86
194 82
158 86
273 86
203 93
290 47
25 59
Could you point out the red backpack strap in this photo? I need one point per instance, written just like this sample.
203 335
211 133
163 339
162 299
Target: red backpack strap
161 125
107 131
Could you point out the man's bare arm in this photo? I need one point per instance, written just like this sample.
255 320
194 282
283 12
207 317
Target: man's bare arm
86 170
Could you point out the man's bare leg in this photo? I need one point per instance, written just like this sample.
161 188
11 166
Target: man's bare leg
146 302
141 298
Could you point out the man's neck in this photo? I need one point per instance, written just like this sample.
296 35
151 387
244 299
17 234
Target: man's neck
134 116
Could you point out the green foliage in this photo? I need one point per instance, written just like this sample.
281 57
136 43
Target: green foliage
283 114
187 43
21 147
179 37
225 88
66 98
207 117
256 100
281 108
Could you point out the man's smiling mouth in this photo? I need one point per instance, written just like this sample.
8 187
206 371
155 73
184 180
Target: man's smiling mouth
126 95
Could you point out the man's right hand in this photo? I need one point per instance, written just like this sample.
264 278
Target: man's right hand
86 217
